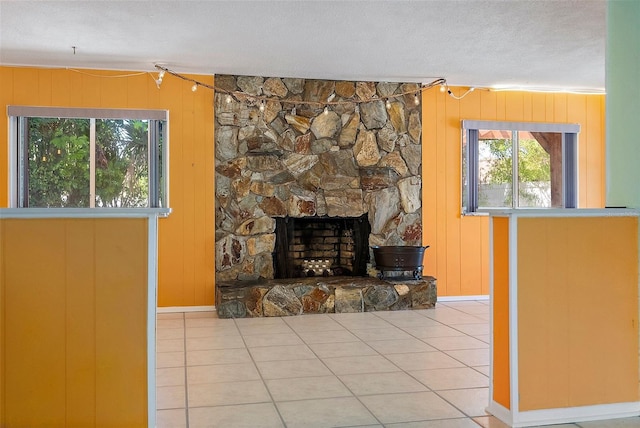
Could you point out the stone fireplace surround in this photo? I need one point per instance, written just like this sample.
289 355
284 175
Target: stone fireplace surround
298 160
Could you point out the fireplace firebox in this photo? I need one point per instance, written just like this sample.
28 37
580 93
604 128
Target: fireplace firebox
321 246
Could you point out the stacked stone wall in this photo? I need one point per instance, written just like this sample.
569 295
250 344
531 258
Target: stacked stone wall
291 158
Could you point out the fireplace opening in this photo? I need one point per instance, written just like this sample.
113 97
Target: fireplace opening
321 246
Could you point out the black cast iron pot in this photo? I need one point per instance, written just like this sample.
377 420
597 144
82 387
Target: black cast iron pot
399 258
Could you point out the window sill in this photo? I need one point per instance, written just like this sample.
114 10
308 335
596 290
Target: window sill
83 212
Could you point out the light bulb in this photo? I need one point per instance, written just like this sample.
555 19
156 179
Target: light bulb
59 151
388 104
262 106
44 158
416 100
442 88
228 99
326 110
159 79
194 87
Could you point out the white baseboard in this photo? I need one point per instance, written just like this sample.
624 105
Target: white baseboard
462 298
500 412
564 415
577 414
170 309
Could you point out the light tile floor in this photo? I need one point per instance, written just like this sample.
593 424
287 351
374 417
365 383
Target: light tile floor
422 368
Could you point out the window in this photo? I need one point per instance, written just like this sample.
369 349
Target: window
518 165
87 158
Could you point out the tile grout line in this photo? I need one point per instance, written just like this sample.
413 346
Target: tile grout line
439 350
387 323
465 365
407 373
332 372
399 368
264 383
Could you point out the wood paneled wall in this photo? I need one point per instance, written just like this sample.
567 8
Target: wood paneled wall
73 329
186 237
577 285
459 253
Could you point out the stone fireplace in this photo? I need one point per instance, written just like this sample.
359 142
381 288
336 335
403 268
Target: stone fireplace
359 158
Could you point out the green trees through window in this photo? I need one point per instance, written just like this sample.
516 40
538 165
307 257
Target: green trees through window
57 174
497 173
518 165
68 162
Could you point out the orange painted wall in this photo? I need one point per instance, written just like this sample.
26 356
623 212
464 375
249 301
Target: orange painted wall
577 311
501 365
459 253
186 237
74 322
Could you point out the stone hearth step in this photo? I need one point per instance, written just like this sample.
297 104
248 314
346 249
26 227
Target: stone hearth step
315 295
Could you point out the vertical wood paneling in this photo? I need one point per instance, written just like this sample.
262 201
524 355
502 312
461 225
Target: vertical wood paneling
121 342
61 90
90 92
171 245
452 193
112 90
538 109
45 87
202 220
513 106
137 92
550 107
429 180
186 237
459 256
577 113
559 108
485 286
74 346
199 204
75 95
470 244
501 340
595 160
527 106
188 191
26 86
6 95
81 335
561 314
34 303
209 207
501 106
441 191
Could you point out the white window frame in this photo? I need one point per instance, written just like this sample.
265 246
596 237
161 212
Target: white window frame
469 164
16 170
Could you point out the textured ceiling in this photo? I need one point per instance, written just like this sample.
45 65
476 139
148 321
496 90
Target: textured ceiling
557 44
